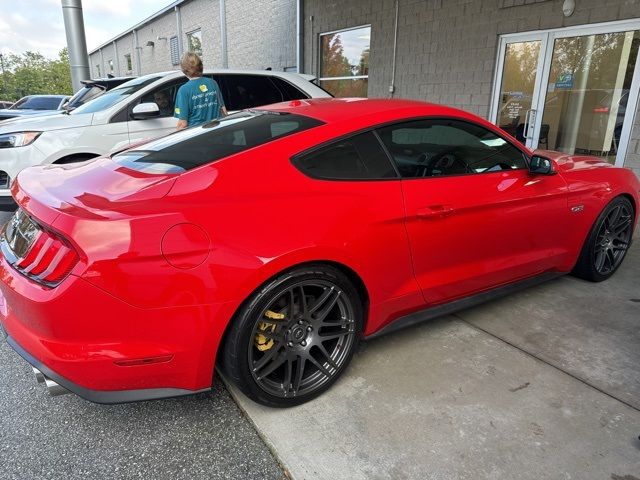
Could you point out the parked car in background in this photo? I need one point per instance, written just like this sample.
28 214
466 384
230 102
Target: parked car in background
92 89
128 114
33 105
5 104
274 239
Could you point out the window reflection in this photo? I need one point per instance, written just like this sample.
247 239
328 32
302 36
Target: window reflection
344 64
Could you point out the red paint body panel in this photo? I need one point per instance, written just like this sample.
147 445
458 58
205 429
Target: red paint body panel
166 260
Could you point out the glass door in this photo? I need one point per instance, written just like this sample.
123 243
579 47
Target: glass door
517 90
587 93
570 89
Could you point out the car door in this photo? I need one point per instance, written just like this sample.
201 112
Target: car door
475 217
157 126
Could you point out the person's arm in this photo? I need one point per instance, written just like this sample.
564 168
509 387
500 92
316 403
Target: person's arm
223 108
181 111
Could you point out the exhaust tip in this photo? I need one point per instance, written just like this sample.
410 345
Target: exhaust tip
55 389
40 378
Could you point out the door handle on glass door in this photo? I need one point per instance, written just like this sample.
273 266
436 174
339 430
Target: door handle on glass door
434 211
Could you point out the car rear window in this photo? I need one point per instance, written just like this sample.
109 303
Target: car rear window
193 147
38 103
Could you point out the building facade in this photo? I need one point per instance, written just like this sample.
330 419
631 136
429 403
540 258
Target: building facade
259 35
562 75
556 74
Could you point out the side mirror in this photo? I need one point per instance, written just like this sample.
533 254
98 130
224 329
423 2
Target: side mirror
541 166
144 111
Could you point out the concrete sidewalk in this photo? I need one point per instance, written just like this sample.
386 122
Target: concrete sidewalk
450 399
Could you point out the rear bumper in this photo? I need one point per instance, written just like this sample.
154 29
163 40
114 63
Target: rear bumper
104 349
101 396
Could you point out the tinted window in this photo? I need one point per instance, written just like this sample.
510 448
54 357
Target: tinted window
289 91
429 148
357 157
88 92
248 91
190 148
164 96
38 103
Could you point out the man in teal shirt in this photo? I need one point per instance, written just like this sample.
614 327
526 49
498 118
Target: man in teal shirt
199 100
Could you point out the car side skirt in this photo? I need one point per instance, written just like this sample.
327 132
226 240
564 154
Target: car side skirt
436 311
102 396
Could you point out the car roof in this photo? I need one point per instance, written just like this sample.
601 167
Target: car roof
47 96
213 71
331 110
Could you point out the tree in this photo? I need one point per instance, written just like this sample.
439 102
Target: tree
32 74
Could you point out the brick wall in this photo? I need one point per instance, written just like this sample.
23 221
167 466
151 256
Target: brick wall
447 49
260 34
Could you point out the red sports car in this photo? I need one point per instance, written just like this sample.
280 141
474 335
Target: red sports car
270 242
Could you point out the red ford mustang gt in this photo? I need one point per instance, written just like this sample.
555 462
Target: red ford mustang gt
271 241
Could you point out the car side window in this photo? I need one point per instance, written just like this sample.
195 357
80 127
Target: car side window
360 157
439 147
289 91
164 96
242 91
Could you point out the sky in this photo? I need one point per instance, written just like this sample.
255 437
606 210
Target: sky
37 25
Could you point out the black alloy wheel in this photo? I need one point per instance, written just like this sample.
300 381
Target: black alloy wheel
295 338
608 242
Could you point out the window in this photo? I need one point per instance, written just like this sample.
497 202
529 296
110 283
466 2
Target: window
247 91
344 62
289 91
431 148
110 63
193 147
173 48
356 158
163 96
194 42
127 59
98 71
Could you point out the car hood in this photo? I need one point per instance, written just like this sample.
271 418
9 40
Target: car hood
566 162
53 121
97 188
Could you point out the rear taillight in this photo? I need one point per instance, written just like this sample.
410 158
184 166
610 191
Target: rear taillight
40 254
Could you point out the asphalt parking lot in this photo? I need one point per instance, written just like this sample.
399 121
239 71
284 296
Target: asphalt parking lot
201 436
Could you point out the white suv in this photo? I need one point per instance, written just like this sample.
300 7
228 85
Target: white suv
129 114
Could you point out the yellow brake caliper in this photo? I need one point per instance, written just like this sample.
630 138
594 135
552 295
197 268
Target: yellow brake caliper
263 343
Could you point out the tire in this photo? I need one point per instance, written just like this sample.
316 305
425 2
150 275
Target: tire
607 243
275 332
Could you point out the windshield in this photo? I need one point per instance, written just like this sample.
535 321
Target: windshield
116 95
193 147
37 103
88 92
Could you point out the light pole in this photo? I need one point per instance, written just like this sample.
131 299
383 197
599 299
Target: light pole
74 28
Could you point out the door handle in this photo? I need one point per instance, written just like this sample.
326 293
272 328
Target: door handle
434 211
529 119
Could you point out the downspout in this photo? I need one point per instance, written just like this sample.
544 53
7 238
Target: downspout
103 71
223 33
137 49
179 30
117 58
299 36
392 85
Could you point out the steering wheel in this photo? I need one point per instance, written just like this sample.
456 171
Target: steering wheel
443 162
